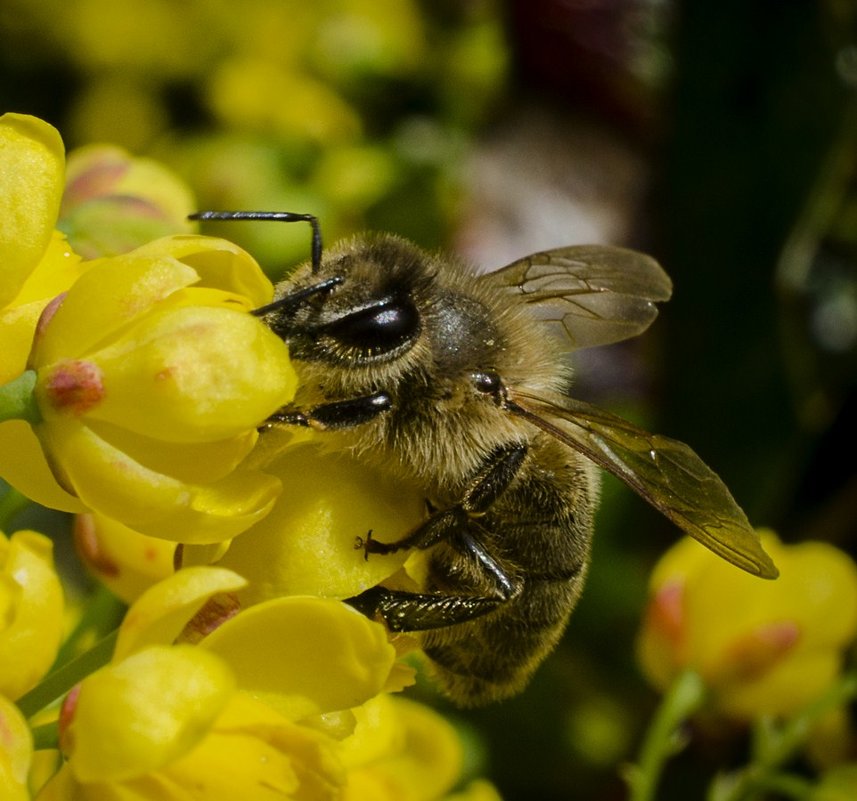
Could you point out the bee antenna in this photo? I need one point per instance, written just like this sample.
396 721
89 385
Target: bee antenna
279 216
297 297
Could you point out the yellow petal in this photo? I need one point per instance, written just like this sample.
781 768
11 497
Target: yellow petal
32 604
32 162
23 466
159 614
108 297
125 561
219 263
109 481
377 733
57 270
16 753
17 326
304 655
193 462
306 545
142 713
403 750
255 754
194 374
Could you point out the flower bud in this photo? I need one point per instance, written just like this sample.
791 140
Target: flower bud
762 648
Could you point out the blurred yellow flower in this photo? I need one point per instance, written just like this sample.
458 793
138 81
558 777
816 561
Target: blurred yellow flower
16 753
762 648
31 611
240 94
151 381
114 203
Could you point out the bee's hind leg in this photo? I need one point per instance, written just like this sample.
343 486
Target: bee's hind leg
407 611
411 611
490 481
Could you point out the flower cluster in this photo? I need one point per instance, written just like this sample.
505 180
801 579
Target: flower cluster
291 102
135 384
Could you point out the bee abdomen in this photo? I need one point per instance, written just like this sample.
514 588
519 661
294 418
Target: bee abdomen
494 657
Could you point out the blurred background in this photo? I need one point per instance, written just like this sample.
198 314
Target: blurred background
719 136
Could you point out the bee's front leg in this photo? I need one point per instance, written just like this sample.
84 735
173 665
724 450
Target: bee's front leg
336 414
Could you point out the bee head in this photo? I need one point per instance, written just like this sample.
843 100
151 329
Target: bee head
380 313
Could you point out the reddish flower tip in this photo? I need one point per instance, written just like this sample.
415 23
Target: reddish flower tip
74 386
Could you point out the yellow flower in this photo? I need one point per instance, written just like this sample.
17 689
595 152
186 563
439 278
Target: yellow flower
306 544
125 561
16 752
169 723
36 264
151 381
227 716
31 611
762 648
114 203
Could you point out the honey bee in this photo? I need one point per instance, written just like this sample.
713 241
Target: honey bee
457 383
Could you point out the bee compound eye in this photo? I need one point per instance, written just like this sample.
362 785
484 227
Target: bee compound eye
376 329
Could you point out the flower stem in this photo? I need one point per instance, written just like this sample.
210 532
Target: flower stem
17 401
11 503
62 680
46 736
103 613
662 740
780 744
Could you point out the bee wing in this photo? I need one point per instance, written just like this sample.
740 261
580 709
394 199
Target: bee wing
597 294
663 471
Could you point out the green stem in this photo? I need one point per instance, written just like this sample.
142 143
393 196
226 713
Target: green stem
47 736
103 613
17 401
777 746
58 683
684 697
11 503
